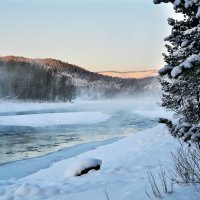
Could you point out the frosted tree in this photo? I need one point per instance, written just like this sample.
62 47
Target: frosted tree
181 81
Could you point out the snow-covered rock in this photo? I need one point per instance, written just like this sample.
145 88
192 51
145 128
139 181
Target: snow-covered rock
82 166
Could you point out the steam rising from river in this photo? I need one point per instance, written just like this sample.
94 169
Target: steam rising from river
75 123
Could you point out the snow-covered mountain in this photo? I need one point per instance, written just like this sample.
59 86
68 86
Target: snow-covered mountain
130 74
50 79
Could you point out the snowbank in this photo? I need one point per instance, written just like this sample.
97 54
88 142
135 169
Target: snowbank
49 119
23 106
154 114
123 173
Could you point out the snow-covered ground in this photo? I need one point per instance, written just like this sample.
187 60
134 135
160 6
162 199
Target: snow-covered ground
50 119
6 106
123 174
124 163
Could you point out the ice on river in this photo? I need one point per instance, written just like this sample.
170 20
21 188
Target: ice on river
52 119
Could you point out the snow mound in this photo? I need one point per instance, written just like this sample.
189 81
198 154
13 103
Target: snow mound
27 189
82 166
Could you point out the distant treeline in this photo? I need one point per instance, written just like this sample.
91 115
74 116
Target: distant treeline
29 81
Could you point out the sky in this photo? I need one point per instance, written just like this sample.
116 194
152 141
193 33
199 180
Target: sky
99 35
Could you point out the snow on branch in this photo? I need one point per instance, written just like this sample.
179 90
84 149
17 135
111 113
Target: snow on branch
177 70
182 5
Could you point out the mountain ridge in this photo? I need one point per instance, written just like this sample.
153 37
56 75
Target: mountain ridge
50 79
58 63
130 74
48 61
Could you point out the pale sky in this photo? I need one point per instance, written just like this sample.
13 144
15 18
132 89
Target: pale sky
98 35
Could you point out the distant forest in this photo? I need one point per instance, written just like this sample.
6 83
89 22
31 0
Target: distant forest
53 80
33 82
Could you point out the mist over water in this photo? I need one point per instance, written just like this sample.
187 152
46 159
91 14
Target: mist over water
122 117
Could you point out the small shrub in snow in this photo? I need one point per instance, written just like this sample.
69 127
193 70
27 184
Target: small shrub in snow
159 185
186 166
82 166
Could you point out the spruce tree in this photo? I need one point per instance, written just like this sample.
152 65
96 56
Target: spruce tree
181 76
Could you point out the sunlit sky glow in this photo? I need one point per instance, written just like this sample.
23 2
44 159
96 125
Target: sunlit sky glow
121 35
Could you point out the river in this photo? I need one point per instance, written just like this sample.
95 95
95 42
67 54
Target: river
43 133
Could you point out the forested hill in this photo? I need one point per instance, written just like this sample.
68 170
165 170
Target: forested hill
51 80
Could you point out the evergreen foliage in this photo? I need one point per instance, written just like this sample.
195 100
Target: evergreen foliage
181 76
